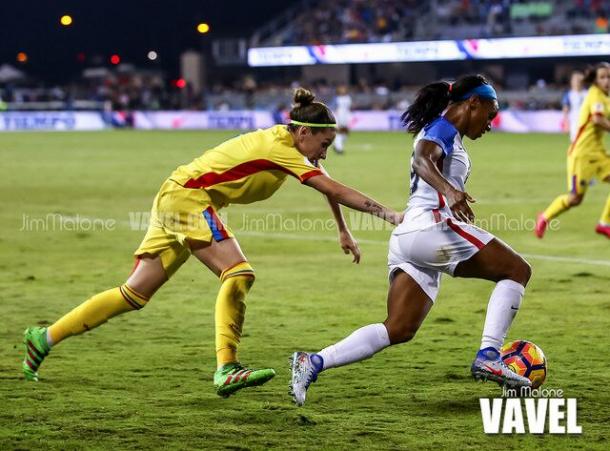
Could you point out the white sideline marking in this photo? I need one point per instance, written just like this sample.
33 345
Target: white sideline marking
557 258
304 237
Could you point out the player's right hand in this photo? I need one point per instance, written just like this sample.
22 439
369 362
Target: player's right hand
458 203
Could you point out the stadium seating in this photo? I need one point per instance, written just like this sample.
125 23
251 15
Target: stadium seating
351 21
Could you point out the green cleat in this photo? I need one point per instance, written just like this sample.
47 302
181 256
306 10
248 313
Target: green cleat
36 349
233 376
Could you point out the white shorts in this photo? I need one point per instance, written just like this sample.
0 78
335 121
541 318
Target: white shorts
343 118
426 253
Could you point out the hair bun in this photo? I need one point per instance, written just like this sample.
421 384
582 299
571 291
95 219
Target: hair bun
303 97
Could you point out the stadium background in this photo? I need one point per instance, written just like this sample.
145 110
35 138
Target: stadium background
139 382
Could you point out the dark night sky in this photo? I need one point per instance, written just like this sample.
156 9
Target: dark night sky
129 28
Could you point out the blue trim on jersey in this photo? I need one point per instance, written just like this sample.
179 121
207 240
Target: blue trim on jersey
565 100
441 132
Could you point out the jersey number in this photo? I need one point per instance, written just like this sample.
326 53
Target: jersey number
414 180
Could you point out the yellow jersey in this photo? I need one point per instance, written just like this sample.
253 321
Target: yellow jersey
589 138
248 168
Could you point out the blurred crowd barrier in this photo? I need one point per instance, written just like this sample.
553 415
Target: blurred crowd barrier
512 121
378 97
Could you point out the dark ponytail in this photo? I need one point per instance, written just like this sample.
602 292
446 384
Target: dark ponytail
432 99
591 72
306 109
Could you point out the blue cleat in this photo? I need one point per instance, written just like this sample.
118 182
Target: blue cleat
488 365
305 369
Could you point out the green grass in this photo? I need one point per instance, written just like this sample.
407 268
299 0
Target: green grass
144 380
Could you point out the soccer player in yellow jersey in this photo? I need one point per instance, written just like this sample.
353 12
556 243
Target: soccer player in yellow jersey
184 221
587 158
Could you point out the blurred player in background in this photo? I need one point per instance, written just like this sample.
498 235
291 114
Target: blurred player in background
343 113
571 103
587 158
184 221
435 237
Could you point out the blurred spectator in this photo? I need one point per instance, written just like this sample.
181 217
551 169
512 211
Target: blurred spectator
352 21
345 21
246 94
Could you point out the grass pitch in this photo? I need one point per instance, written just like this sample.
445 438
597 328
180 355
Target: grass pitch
144 380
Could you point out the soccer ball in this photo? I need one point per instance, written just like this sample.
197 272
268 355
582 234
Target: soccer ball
525 359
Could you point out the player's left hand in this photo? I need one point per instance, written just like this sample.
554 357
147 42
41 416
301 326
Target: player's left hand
349 245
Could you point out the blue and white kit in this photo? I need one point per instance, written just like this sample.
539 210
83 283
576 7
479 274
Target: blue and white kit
430 240
343 112
573 100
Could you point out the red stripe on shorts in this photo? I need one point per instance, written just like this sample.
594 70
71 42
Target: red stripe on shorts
467 236
218 223
441 200
437 215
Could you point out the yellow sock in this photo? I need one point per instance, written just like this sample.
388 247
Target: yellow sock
230 311
605 219
558 206
95 311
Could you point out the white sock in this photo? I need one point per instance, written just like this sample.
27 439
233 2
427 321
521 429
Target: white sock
503 305
49 340
339 141
360 345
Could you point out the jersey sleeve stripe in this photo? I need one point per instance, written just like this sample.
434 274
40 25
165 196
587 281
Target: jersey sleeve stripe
310 174
235 173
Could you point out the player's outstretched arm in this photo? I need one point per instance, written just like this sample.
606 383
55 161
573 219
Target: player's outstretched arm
346 240
353 199
425 159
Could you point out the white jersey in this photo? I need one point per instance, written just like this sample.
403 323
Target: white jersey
343 110
430 240
573 100
425 201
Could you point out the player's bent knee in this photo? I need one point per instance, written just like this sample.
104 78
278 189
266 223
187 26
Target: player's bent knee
520 271
528 270
575 199
241 269
400 333
135 299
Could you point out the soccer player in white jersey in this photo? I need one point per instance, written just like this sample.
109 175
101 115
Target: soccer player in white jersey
571 102
435 237
343 114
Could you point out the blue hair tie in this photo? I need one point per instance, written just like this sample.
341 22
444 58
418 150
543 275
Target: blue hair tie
485 91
